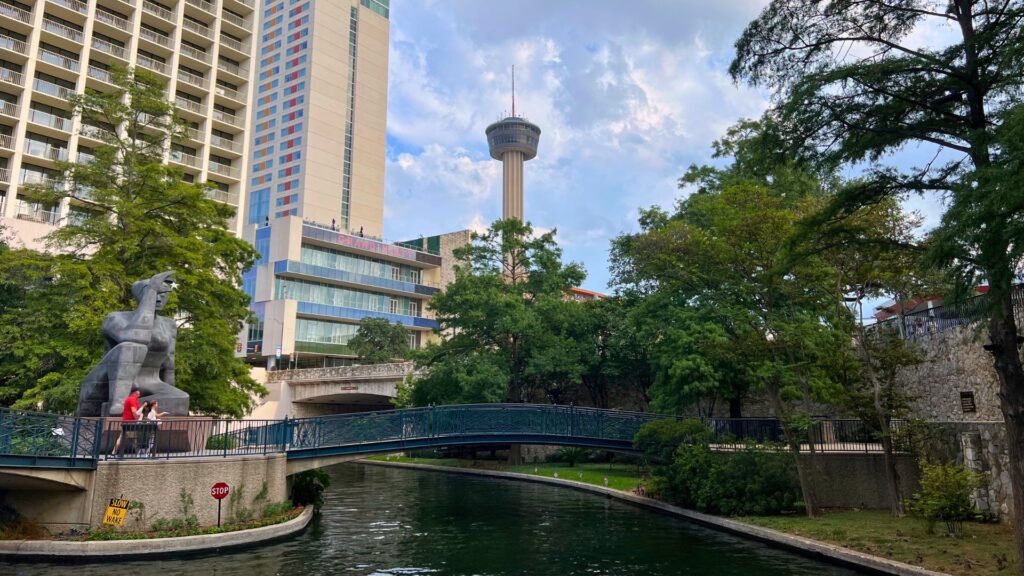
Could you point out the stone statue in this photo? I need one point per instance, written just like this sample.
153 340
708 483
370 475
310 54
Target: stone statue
140 353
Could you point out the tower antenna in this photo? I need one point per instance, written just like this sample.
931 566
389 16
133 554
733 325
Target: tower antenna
513 90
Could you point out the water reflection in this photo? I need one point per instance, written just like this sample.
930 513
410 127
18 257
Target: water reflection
386 521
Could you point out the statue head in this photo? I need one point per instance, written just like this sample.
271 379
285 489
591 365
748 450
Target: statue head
165 284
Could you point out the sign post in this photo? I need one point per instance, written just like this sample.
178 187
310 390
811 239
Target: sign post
116 512
219 491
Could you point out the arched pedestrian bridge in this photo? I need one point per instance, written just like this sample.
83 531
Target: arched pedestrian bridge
32 440
60 470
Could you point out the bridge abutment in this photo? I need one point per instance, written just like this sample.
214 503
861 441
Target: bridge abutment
157 484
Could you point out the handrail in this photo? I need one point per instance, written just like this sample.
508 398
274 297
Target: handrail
10 76
227 118
155 37
152 64
76 5
195 54
112 19
108 48
240 71
157 10
37 439
100 74
15 13
234 44
201 4
63 31
201 29
189 105
193 79
9 109
232 145
56 59
13 44
51 120
51 88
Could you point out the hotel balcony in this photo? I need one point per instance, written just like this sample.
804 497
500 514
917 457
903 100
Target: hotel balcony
295 269
241 49
76 37
10 45
322 235
105 47
158 11
36 213
8 11
328 312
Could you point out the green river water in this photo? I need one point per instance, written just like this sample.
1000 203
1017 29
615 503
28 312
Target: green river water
392 521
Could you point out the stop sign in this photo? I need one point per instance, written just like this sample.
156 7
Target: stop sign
220 490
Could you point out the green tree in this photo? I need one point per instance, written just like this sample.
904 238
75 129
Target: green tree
506 322
378 341
740 312
137 217
889 93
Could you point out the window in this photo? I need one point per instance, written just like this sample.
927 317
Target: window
259 205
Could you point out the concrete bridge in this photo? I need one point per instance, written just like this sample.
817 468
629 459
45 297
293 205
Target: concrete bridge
311 392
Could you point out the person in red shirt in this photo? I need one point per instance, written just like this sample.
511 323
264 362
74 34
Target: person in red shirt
130 414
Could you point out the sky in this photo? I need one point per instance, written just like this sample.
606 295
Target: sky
627 96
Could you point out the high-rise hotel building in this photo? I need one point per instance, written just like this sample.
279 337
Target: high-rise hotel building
315 206
50 49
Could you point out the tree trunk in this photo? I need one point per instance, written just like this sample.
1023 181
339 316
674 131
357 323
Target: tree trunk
1003 332
892 475
793 443
735 408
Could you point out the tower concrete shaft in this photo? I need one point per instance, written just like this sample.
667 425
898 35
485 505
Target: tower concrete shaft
512 185
513 141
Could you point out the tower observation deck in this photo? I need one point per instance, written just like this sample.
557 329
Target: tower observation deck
513 141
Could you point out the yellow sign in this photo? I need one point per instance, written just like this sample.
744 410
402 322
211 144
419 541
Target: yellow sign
116 512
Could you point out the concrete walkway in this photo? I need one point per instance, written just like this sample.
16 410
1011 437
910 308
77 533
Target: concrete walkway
804 546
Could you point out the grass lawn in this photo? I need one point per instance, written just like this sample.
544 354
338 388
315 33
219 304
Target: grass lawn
985 549
620 476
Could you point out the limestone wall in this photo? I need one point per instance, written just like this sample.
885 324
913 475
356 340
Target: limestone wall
158 485
954 362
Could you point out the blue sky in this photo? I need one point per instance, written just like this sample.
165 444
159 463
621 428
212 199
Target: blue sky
627 96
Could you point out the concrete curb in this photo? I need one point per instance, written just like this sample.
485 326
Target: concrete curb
57 549
804 546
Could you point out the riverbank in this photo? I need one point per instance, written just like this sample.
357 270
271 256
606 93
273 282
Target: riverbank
142 545
986 550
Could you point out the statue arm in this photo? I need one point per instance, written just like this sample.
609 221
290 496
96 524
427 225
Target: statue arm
167 368
140 327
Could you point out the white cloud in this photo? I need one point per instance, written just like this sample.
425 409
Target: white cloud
627 96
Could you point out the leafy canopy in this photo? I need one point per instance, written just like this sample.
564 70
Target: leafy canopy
136 217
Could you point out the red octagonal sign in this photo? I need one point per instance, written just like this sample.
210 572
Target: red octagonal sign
220 490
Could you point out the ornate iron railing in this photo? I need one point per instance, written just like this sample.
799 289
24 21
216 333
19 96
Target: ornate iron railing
369 432
47 440
30 439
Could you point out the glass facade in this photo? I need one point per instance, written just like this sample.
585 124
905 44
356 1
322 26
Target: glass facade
319 331
357 264
317 293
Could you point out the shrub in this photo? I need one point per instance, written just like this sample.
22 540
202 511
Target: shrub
659 439
945 496
308 488
276 509
221 442
749 482
569 454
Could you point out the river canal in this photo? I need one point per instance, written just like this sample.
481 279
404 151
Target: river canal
392 521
